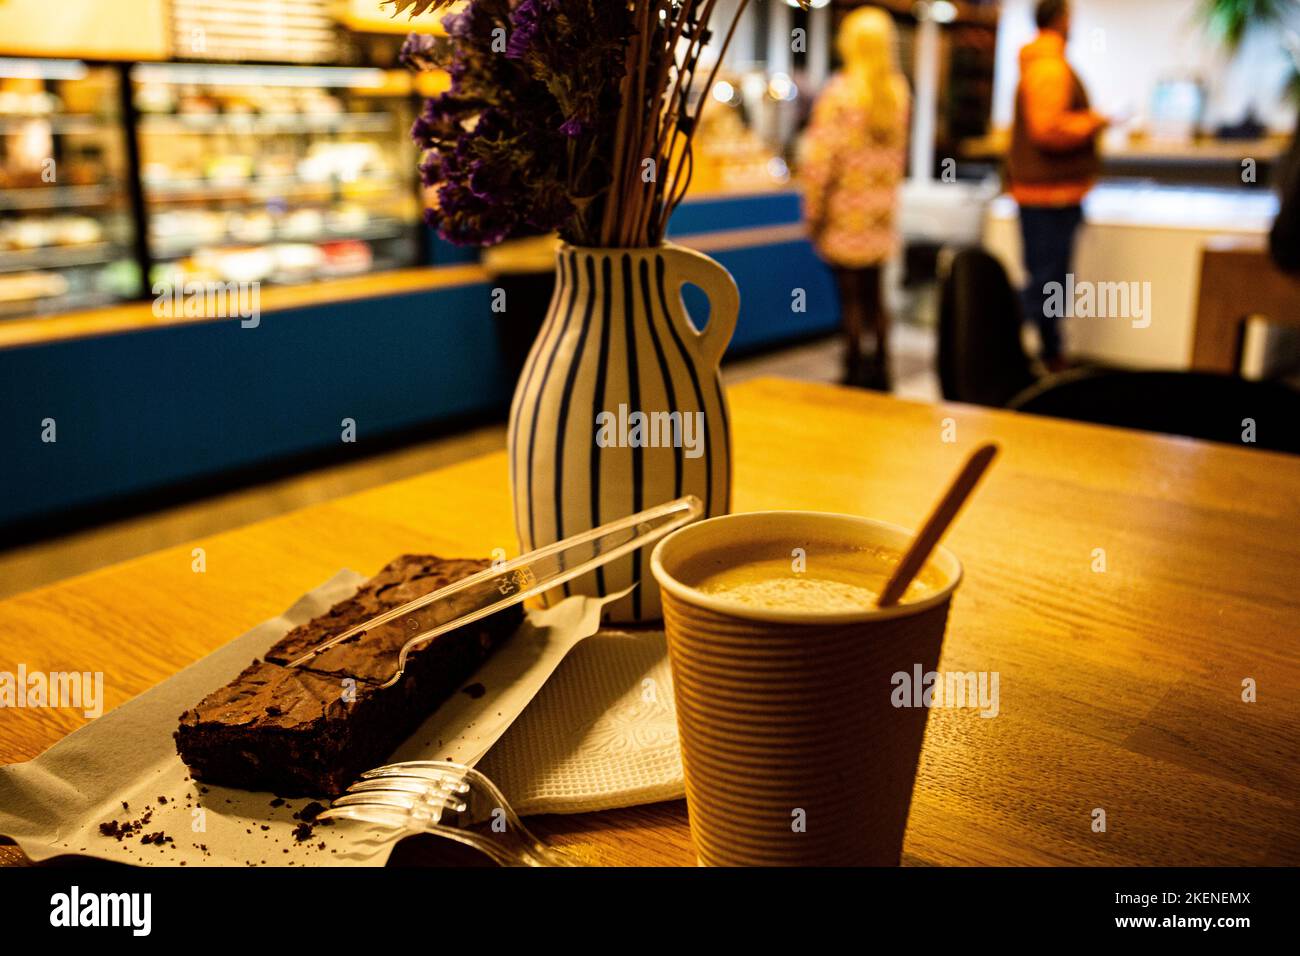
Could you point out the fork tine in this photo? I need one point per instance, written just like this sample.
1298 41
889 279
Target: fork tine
370 813
413 795
408 797
393 783
426 781
405 803
398 799
429 767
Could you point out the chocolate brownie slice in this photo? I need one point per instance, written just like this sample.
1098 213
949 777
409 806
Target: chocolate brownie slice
284 729
312 730
403 579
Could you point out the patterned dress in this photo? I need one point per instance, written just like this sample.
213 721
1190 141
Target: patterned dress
850 175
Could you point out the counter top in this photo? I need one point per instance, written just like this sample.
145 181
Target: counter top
1239 211
139 316
1264 149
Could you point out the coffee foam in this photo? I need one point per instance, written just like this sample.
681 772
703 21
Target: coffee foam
821 578
797 594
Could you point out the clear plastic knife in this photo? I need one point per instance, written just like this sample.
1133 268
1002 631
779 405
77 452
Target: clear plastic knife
514 581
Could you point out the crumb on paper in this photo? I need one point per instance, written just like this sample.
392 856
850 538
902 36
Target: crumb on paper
310 812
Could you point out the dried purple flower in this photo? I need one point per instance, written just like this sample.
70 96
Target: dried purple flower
421 52
515 146
526 139
525 23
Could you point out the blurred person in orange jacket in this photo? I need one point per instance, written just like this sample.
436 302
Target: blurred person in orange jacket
852 159
1052 163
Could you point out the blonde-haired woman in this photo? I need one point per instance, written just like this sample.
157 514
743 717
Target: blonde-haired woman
853 158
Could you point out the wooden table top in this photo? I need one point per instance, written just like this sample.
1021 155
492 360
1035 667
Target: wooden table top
1120 689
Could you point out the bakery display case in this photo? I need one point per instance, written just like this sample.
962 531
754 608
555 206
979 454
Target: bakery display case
66 232
275 173
730 155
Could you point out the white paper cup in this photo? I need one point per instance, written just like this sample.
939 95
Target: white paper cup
793 751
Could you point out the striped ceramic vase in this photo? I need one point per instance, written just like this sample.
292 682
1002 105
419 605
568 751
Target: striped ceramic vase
620 406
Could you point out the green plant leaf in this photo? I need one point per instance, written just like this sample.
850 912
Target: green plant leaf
1230 19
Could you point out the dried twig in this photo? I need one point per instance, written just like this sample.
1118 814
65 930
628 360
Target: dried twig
659 108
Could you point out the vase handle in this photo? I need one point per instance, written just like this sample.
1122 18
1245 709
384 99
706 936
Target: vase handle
687 265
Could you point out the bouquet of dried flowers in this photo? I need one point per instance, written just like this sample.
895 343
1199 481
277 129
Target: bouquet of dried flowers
573 116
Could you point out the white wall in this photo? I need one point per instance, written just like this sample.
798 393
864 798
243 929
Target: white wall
1140 234
1121 48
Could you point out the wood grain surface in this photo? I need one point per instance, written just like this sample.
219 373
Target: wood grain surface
1120 689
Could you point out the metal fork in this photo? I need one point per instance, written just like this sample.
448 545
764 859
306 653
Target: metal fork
450 800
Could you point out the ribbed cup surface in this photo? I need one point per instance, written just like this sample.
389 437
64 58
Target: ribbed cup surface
779 718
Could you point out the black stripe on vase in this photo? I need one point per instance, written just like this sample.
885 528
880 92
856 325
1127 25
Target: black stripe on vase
598 401
664 371
570 378
537 412
670 391
544 335
523 395
726 440
695 383
634 404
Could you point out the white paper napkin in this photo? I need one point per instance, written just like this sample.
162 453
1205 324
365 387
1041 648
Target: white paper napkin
601 734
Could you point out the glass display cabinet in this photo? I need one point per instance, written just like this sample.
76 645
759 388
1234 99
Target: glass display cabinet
66 231
275 173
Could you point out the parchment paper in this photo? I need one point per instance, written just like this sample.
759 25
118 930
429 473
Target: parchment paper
123 766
